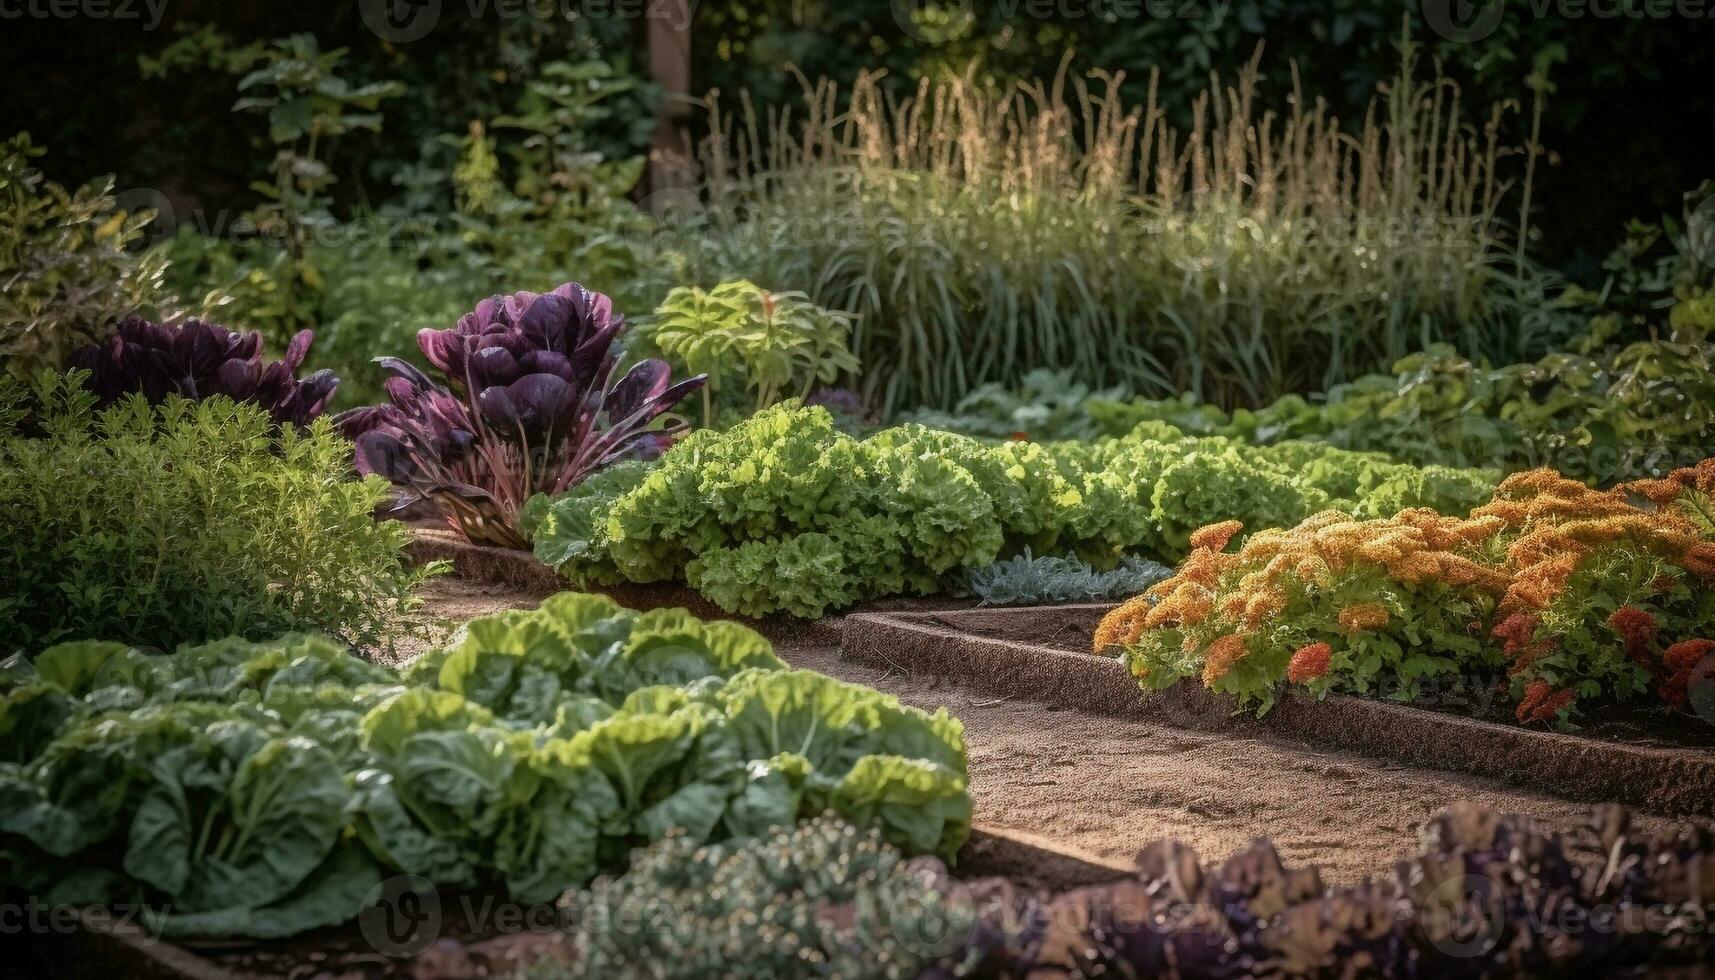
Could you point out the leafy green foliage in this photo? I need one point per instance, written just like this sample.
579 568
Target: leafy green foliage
783 512
308 105
68 273
773 344
1607 415
1048 406
262 789
187 521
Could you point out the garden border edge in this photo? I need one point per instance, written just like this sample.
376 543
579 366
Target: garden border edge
1663 780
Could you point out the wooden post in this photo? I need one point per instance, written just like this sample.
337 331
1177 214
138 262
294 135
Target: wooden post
670 65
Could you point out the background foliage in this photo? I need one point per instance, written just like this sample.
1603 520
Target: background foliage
1626 84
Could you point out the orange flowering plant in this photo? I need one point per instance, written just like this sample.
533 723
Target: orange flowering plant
1374 607
1570 594
1608 587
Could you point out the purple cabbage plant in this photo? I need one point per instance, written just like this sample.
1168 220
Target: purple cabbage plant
197 360
530 405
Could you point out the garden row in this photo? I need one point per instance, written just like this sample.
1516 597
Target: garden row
262 789
538 431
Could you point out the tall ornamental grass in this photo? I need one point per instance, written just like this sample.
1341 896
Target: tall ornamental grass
978 233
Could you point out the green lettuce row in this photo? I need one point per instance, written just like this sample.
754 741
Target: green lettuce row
785 513
262 789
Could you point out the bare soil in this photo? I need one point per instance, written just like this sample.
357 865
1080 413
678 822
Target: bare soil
1104 787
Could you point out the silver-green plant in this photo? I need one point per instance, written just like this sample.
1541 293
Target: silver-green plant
820 899
1031 579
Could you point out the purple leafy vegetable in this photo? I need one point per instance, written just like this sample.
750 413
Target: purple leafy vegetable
530 405
198 360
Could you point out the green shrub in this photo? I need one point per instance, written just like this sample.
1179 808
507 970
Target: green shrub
1633 397
68 273
1047 406
188 521
771 345
263 789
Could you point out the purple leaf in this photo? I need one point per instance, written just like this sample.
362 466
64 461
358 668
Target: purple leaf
238 379
357 421
547 323
402 368
493 366
444 349
498 409
646 381
298 349
383 454
549 362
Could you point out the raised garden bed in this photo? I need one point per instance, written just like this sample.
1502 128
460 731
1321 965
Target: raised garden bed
523 573
1041 653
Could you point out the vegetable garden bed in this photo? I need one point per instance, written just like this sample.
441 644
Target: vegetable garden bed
1037 652
524 574
97 950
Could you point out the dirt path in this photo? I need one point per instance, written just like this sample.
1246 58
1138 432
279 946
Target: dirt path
1102 787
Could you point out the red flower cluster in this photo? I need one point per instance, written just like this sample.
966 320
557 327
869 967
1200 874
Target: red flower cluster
1637 628
1517 634
1309 662
1542 702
